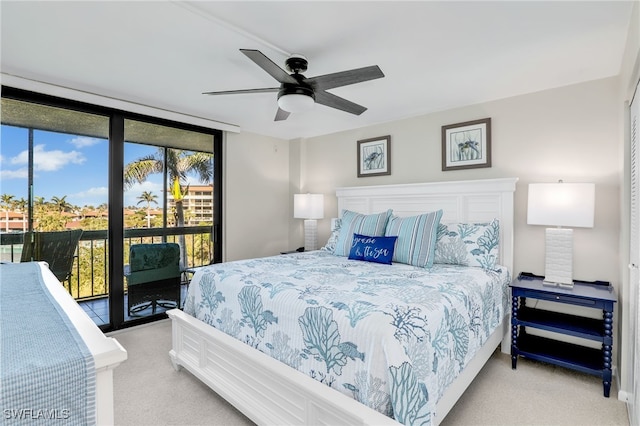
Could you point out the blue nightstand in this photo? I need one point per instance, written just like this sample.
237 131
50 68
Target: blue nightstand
596 295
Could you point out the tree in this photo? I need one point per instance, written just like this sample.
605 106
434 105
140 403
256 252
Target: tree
148 197
21 205
179 164
50 220
136 220
61 204
38 201
7 203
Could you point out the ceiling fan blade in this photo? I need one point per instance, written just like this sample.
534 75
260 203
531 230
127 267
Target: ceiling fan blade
281 115
344 78
269 66
333 101
235 92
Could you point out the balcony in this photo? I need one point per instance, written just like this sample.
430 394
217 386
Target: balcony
89 281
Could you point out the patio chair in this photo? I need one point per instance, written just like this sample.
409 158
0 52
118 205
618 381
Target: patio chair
57 248
154 277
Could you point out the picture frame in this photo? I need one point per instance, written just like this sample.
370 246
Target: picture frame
374 156
466 145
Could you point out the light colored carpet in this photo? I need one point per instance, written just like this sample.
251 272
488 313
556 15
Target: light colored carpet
148 391
535 394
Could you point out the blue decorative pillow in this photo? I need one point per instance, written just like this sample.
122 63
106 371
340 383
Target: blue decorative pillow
356 223
469 244
416 238
372 249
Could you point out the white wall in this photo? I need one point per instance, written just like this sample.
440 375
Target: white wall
256 196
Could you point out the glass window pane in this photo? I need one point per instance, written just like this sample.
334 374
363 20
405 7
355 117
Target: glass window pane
144 187
56 157
168 188
14 188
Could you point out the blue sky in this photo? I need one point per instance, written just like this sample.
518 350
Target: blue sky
71 165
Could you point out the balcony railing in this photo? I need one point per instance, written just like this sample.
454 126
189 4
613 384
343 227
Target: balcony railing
90 275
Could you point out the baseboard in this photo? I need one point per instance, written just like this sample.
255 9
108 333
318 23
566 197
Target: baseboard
625 396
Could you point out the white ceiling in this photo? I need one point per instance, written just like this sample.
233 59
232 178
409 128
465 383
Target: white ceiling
435 55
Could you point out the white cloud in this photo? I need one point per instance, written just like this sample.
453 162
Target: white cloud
22 158
48 161
14 174
84 141
93 192
92 196
131 195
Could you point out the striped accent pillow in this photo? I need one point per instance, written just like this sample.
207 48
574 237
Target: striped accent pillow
355 223
416 238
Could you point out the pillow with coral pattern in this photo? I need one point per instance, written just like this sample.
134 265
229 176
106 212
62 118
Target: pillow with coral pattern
469 244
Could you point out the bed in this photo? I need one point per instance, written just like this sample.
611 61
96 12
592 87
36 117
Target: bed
26 364
333 364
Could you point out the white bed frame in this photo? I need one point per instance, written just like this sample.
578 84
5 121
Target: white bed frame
107 351
269 392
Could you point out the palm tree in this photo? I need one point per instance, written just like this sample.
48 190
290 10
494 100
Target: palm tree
148 197
38 201
21 205
7 203
179 164
61 204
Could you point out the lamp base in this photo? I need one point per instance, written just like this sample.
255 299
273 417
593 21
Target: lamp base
558 263
554 284
310 234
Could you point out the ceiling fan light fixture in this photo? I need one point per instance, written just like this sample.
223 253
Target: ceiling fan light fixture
298 93
295 102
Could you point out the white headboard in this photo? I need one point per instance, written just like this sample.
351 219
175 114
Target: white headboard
461 201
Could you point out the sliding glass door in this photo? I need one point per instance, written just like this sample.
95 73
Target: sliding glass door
168 180
122 179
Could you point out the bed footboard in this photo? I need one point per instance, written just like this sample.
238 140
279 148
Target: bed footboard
263 389
269 392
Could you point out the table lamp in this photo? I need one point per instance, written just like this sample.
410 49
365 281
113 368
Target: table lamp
309 207
560 204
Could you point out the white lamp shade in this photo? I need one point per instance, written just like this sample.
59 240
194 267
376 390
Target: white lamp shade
561 204
295 102
308 206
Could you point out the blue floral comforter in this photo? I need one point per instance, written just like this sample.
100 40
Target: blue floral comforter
391 336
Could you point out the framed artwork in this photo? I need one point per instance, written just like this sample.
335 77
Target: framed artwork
466 145
374 156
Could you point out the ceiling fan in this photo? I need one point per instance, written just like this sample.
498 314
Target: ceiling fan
298 93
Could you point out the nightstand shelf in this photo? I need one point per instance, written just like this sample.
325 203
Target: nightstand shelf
568 355
572 325
597 295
